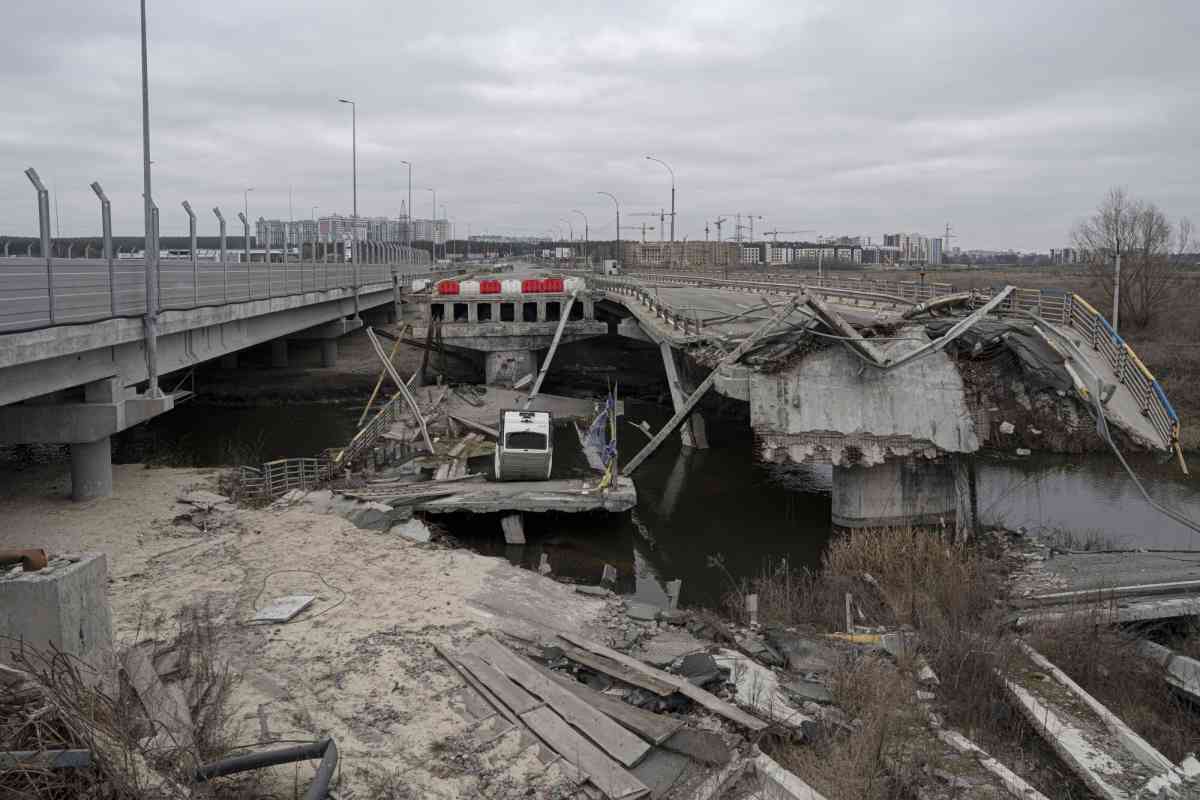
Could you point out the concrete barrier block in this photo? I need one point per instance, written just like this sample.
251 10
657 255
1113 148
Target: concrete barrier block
63 607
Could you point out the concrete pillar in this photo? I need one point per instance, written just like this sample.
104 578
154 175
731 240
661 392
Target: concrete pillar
329 352
279 353
589 308
541 307
906 491
63 608
472 312
229 361
91 469
505 367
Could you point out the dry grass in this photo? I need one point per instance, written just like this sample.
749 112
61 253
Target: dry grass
67 705
885 755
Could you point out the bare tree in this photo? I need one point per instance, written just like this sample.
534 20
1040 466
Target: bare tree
1138 236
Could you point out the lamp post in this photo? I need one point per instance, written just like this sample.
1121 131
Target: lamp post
151 262
433 223
668 166
570 226
355 258
610 196
586 254
410 208
316 237
246 215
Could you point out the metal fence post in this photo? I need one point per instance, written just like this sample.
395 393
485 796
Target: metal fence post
44 230
106 231
192 243
246 228
224 259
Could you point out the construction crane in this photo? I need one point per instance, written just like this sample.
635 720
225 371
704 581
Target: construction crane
718 222
643 227
739 227
776 233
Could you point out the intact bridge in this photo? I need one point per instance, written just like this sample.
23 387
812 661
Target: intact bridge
92 346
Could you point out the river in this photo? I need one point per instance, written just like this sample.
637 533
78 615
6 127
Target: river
694 505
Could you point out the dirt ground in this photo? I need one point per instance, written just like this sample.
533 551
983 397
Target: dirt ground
359 666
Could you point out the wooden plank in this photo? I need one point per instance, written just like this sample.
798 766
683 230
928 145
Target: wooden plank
615 740
654 728
481 428
619 671
475 684
609 776
683 686
167 710
508 692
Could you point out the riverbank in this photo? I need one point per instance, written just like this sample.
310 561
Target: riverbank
361 664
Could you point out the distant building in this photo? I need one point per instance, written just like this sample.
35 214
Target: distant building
1067 255
913 249
691 255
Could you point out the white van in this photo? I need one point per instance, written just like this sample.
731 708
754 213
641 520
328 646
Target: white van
525 446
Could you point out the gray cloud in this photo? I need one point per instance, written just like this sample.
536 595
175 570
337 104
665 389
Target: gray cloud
1009 120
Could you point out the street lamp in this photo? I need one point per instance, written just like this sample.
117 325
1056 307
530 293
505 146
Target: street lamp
668 166
570 226
246 213
410 208
433 223
586 254
316 238
612 197
353 150
151 263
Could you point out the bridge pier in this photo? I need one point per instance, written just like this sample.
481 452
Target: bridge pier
898 492
329 352
229 361
91 469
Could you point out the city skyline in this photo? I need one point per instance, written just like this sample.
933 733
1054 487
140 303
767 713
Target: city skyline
858 118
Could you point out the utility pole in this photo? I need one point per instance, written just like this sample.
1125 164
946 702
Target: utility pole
410 206
617 244
668 166
151 260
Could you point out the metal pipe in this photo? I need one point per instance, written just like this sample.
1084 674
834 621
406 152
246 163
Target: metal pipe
106 229
325 749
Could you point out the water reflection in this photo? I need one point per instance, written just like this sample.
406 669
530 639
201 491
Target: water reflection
694 504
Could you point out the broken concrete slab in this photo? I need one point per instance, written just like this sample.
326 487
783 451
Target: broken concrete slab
662 770
758 689
780 784
669 645
803 691
593 591
414 530
704 746
802 653
643 612
282 609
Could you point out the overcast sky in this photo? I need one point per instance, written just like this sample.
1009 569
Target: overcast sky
1008 120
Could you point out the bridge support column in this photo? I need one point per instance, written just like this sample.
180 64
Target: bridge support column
329 352
279 353
909 491
91 469
506 367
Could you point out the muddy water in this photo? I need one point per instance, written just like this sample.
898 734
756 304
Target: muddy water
695 505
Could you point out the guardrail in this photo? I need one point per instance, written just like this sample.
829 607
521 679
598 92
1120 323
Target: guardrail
1054 306
282 475
36 293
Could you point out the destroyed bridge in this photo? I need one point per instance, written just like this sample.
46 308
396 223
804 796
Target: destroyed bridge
896 384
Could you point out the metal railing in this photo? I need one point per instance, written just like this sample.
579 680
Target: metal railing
283 475
45 290
1055 306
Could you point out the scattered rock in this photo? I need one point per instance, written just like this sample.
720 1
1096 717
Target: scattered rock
699 668
668 646
204 499
760 650
1023 451
806 691
1007 428
802 653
